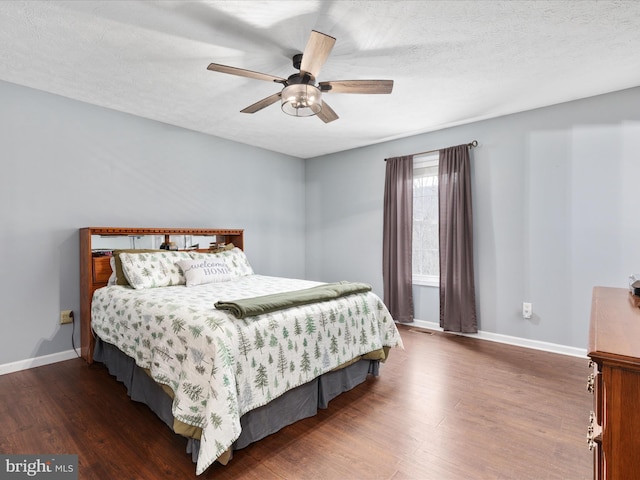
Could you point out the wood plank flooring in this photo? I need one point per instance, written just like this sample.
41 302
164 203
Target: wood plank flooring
445 408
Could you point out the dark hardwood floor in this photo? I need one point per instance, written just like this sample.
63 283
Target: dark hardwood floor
445 408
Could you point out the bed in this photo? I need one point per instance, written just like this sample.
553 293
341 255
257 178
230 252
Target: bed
223 355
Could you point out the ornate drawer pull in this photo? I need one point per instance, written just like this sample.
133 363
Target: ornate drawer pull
590 383
592 431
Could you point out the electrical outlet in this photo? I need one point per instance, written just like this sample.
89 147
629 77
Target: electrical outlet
66 316
527 310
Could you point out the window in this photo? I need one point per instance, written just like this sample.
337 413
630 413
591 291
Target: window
426 261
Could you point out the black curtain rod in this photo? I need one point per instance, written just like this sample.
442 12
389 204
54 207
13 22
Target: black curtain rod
469 145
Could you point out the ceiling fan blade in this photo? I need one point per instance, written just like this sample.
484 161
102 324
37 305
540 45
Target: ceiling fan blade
241 72
327 114
316 52
265 102
357 86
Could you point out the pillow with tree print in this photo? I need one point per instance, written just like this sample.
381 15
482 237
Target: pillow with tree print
153 269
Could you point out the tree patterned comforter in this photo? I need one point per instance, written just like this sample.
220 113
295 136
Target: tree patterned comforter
221 367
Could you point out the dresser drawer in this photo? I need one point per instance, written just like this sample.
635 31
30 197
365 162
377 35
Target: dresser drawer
101 269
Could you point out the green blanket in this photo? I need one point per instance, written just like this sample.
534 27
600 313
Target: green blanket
247 307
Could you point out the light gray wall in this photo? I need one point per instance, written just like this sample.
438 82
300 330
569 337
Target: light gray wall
67 165
555 194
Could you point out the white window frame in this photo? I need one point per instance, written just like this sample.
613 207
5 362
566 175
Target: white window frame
421 162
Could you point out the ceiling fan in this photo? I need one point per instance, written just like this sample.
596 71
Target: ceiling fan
300 96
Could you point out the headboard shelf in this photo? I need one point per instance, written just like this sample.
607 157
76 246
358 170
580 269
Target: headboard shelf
95 269
204 232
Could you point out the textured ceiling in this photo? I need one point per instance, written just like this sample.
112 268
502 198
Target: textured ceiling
452 62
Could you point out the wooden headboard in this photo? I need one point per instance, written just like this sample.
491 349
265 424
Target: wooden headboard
95 270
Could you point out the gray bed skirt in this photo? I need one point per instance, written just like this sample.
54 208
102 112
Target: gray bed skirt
301 402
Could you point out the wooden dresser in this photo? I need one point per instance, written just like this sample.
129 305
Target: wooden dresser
614 349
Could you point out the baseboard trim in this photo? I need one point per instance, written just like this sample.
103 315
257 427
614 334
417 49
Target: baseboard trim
499 338
37 362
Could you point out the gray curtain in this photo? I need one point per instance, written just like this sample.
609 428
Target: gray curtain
397 233
457 286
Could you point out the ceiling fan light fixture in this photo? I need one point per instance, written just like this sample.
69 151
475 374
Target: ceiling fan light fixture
301 100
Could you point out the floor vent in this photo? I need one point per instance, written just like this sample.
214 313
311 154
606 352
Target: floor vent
417 330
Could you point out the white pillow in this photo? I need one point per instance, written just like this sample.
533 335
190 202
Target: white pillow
153 269
236 261
209 270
